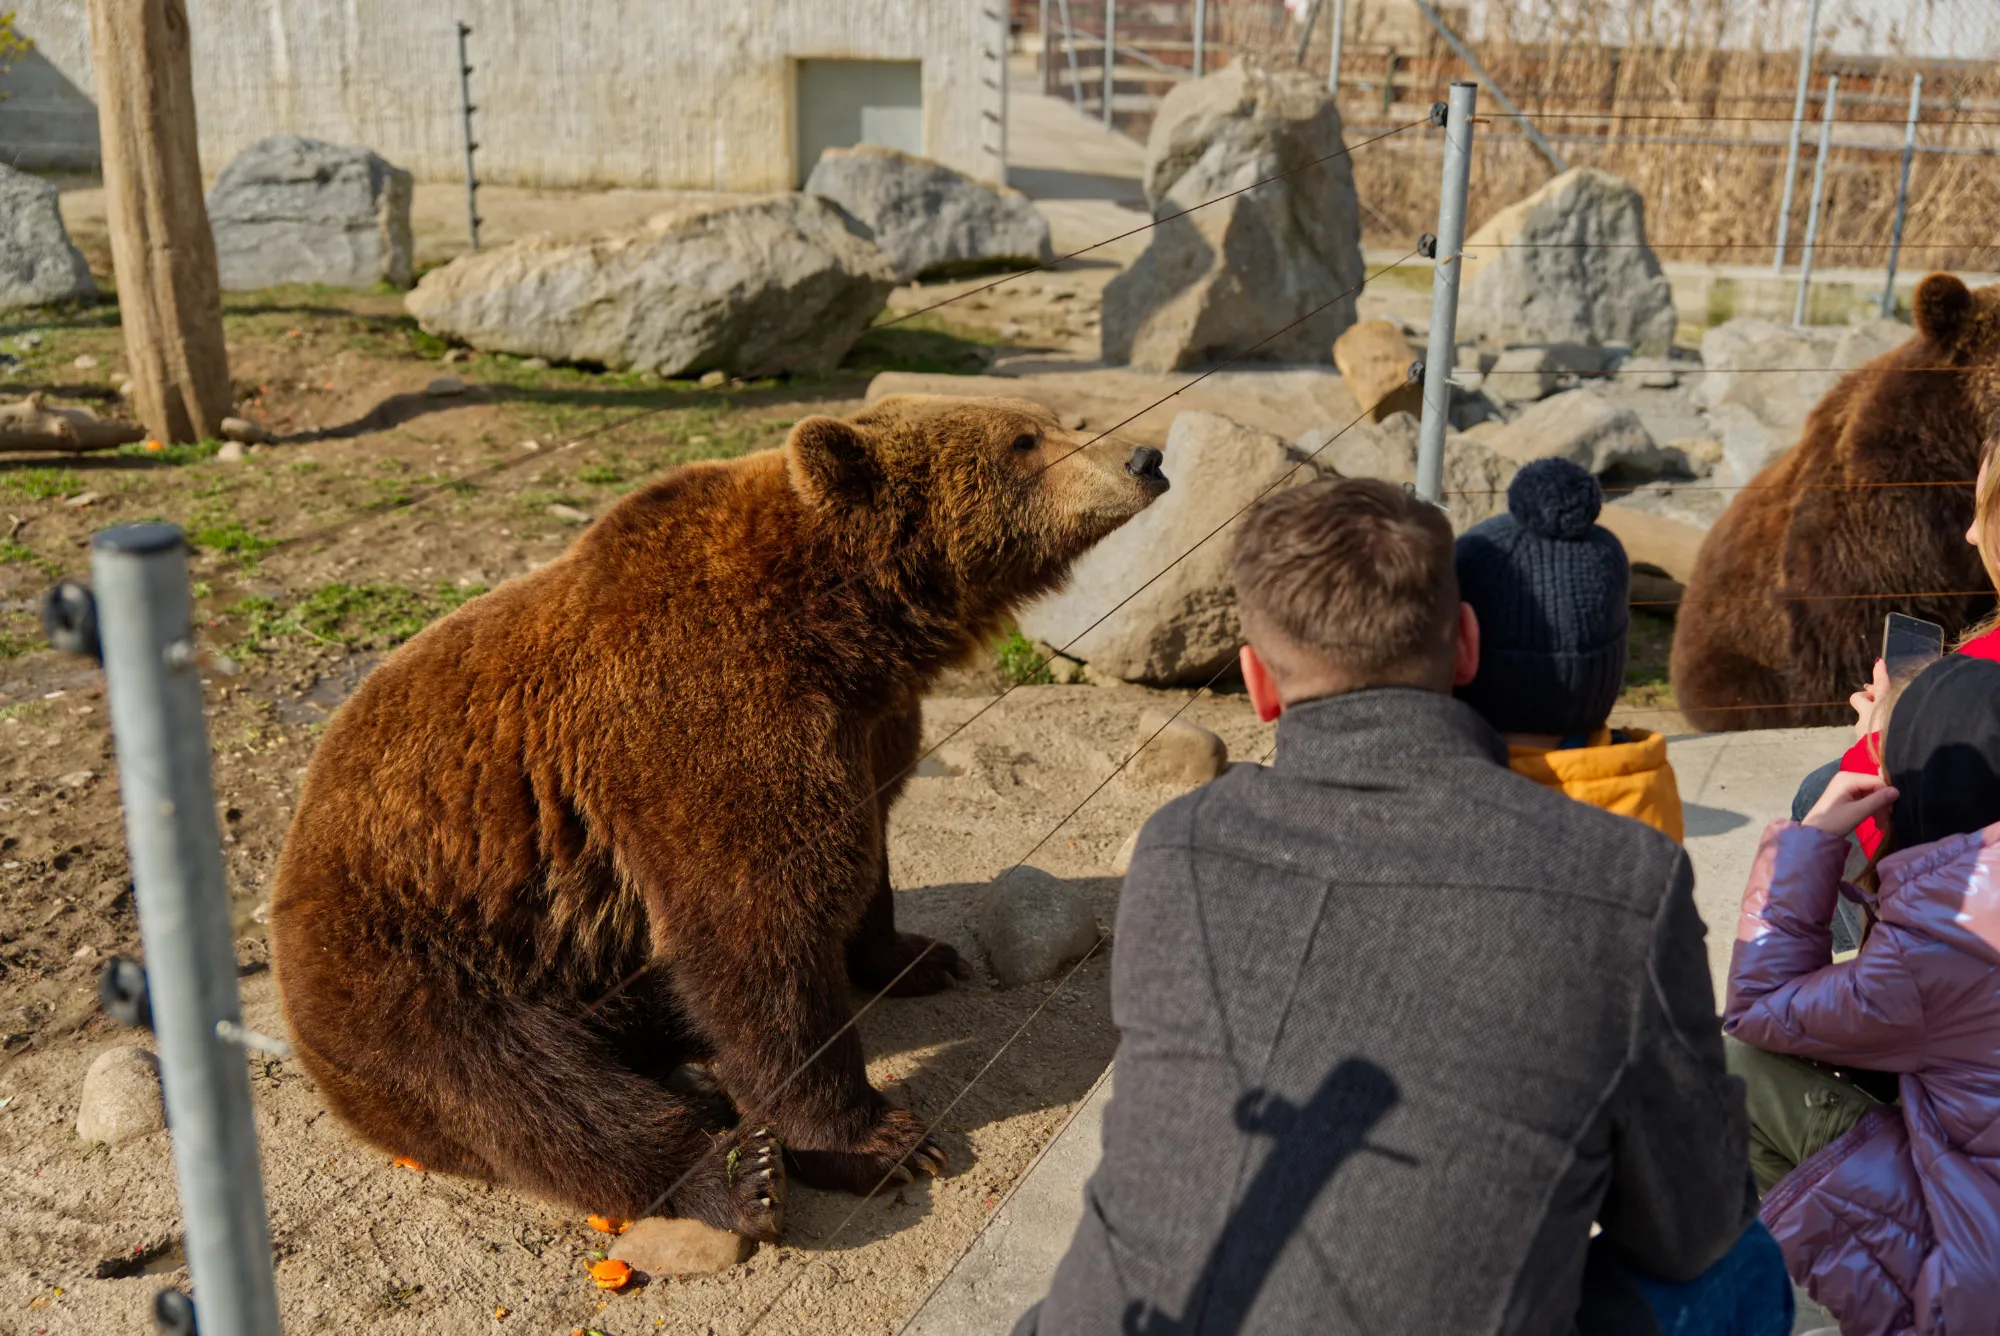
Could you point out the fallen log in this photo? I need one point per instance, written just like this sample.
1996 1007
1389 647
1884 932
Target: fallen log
32 425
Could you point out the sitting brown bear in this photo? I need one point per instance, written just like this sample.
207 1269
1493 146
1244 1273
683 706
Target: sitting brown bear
627 812
1771 632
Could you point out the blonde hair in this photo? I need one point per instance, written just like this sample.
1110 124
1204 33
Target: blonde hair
1986 523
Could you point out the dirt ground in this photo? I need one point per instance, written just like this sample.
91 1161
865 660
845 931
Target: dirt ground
378 508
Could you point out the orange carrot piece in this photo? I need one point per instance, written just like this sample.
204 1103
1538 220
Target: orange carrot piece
610 1275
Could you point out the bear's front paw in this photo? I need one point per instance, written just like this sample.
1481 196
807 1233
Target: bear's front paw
891 1153
739 1185
906 965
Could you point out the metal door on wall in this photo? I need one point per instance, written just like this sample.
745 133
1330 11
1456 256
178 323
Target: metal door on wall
846 102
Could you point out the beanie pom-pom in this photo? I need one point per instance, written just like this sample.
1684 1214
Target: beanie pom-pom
1555 499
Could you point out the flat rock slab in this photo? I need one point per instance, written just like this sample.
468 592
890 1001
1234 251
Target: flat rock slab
1281 400
666 1247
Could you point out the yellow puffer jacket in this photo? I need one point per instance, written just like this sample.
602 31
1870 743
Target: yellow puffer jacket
1630 777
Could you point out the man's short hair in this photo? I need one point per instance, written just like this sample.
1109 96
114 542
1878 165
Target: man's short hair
1355 572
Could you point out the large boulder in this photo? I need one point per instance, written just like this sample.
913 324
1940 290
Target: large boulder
1215 281
736 284
1568 264
1182 627
294 210
927 218
38 265
1759 379
1584 428
1475 477
1376 360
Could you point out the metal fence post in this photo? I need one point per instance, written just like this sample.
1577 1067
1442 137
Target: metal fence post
1902 197
1818 191
1069 41
1110 54
465 113
1339 28
141 591
1200 36
1798 125
1442 353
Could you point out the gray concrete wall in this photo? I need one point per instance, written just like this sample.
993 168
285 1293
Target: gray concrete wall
674 94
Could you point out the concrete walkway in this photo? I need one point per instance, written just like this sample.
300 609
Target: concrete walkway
1732 785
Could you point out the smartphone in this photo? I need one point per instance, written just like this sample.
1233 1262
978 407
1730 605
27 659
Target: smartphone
1908 644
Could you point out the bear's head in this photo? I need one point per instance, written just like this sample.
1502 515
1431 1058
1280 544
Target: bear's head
990 500
1960 328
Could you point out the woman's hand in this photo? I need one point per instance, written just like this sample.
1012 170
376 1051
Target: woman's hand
1864 700
1850 800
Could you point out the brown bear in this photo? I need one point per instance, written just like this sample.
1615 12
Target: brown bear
1782 617
626 812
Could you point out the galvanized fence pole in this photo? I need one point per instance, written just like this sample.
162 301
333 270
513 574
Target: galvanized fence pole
1902 197
141 592
465 110
1798 126
1333 63
1818 193
1110 54
1069 43
1450 244
1200 37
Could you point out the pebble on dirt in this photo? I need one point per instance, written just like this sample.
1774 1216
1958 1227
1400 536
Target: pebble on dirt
230 453
663 1247
444 387
569 514
243 431
712 380
1180 753
1032 926
121 1097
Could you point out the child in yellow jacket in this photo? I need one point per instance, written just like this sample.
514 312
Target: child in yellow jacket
1551 589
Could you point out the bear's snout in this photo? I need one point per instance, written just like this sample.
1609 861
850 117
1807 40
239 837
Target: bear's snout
1144 465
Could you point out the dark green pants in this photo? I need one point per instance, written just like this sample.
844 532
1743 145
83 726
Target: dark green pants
1797 1107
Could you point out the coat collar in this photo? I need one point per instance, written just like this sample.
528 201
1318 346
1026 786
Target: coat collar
1378 728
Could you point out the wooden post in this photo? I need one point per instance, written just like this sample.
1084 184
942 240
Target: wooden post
169 298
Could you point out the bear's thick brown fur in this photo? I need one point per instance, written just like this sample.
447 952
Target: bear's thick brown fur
1765 638
664 761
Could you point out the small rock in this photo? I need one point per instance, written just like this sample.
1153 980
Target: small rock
85 362
1528 373
1701 454
121 1097
445 386
1580 426
535 364
1121 862
531 445
243 431
230 453
1032 926
458 355
75 779
1180 753
1651 373
82 499
32 339
1374 359
569 514
663 1247
712 380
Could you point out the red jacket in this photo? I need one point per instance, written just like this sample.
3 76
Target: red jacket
1861 757
1895 1226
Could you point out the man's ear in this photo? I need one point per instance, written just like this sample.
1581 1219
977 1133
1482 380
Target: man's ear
1262 685
1465 651
830 463
1939 307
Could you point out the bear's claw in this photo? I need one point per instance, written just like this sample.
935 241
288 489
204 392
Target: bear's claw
911 965
889 1156
740 1185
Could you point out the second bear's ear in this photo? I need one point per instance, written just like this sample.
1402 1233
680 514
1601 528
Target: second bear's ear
1940 306
831 464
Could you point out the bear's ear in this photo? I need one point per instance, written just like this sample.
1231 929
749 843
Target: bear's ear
1940 306
831 464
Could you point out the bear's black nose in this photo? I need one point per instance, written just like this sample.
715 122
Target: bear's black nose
1145 464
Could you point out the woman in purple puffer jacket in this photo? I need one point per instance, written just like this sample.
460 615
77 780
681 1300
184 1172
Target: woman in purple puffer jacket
1891 1217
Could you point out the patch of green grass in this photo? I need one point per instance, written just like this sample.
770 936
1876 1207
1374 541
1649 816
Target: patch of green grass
12 644
173 452
20 553
926 343
375 615
600 475
1021 663
230 537
39 484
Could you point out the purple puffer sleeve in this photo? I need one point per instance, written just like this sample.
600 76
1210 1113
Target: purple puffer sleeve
1786 995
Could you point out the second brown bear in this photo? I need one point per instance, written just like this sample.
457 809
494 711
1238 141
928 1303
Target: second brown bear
627 812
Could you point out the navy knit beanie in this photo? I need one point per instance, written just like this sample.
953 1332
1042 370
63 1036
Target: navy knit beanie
1550 588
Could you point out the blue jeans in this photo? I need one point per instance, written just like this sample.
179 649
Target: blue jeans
1747 1293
